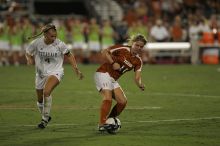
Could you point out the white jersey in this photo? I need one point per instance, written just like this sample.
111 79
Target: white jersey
48 58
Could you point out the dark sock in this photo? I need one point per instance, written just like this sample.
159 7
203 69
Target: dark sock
117 109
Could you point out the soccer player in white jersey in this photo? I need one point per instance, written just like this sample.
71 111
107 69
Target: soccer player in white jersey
48 54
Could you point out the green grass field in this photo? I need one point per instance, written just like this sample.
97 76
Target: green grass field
180 107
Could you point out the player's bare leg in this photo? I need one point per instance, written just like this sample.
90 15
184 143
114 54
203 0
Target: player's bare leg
50 84
105 108
40 103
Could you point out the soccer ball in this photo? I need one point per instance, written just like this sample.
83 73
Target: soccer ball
115 124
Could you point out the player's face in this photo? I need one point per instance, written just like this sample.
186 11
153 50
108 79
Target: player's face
137 47
50 36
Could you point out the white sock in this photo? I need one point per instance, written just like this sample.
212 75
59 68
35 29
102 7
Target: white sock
40 107
47 107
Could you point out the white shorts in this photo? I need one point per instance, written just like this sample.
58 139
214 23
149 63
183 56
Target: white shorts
41 80
104 81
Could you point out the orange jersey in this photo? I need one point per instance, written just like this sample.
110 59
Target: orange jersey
122 55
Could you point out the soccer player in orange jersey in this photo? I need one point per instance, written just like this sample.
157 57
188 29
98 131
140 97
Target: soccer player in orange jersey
119 59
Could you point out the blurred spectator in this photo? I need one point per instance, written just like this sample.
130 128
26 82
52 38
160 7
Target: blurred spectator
4 44
16 42
132 30
61 30
68 23
141 9
130 17
138 28
193 30
27 29
185 20
159 32
204 26
107 34
205 32
156 7
141 28
94 35
121 32
176 30
78 35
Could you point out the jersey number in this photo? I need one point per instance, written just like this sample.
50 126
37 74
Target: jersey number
47 60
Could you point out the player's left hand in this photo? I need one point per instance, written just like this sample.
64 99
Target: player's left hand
79 74
142 87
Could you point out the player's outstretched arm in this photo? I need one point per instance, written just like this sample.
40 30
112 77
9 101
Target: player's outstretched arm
138 80
73 63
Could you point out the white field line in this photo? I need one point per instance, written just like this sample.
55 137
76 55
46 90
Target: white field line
16 108
148 93
176 120
183 95
150 121
11 107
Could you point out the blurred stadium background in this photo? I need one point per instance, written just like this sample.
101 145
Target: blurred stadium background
88 26
180 106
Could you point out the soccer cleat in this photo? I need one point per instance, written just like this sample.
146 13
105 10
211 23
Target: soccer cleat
104 127
44 123
101 128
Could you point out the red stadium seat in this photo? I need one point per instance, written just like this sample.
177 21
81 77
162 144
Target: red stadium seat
210 56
